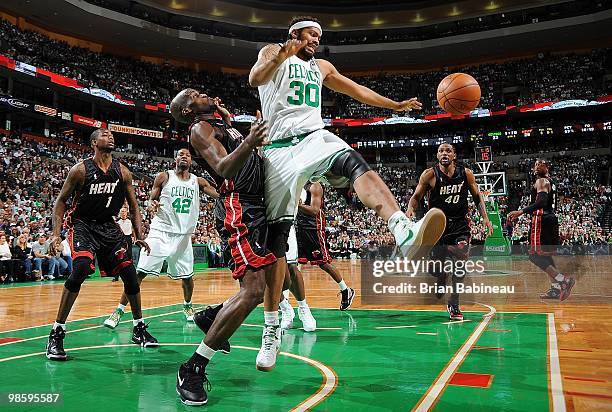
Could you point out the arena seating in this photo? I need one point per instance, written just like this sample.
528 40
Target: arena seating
541 78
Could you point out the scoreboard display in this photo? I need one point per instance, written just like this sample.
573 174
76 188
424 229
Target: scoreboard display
484 154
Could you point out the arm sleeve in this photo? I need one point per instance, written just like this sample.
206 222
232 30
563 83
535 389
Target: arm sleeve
541 199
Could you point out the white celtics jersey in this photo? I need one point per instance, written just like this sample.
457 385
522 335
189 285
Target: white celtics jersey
291 101
179 205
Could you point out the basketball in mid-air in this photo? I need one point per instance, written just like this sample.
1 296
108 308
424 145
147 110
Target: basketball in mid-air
458 93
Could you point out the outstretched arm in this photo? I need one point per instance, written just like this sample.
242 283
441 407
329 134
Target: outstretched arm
422 187
342 84
75 179
478 200
207 188
316 199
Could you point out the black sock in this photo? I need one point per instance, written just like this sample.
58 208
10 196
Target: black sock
197 359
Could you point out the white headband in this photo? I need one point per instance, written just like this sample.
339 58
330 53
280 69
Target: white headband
307 23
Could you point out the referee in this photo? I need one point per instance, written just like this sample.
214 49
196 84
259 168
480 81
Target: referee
126 227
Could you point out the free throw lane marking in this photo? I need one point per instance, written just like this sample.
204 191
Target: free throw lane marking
434 391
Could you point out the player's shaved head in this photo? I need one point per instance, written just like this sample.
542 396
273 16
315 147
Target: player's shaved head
190 104
180 106
95 134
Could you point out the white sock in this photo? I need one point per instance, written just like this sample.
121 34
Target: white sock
285 305
342 285
121 307
61 325
206 351
271 318
137 321
559 277
286 294
395 217
185 303
302 303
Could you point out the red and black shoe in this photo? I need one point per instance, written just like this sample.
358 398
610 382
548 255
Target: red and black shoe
552 293
454 312
566 286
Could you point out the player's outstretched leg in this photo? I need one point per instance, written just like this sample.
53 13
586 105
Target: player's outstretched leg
375 194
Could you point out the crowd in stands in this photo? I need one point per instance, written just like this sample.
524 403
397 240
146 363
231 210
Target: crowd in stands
542 78
32 172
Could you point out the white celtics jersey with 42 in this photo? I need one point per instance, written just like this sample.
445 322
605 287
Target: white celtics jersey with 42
179 205
291 101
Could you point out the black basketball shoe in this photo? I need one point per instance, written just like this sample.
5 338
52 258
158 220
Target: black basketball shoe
140 336
55 345
348 295
204 319
552 293
454 312
190 380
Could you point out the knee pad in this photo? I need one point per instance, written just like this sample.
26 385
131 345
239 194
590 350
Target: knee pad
278 233
130 281
81 268
541 261
351 165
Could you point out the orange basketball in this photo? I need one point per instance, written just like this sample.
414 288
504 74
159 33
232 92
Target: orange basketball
458 93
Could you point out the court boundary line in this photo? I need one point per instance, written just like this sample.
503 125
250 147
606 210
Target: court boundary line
78 320
429 399
556 382
88 327
486 318
330 378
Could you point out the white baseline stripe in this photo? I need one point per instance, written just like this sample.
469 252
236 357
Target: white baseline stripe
436 388
556 385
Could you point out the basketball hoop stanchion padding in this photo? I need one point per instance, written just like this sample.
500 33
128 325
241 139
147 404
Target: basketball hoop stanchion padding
496 244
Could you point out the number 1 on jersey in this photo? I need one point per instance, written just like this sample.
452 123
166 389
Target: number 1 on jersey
109 201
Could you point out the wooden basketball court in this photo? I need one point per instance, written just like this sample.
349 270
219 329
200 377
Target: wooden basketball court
511 353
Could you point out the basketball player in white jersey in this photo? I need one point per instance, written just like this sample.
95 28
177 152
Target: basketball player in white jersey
289 80
175 202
